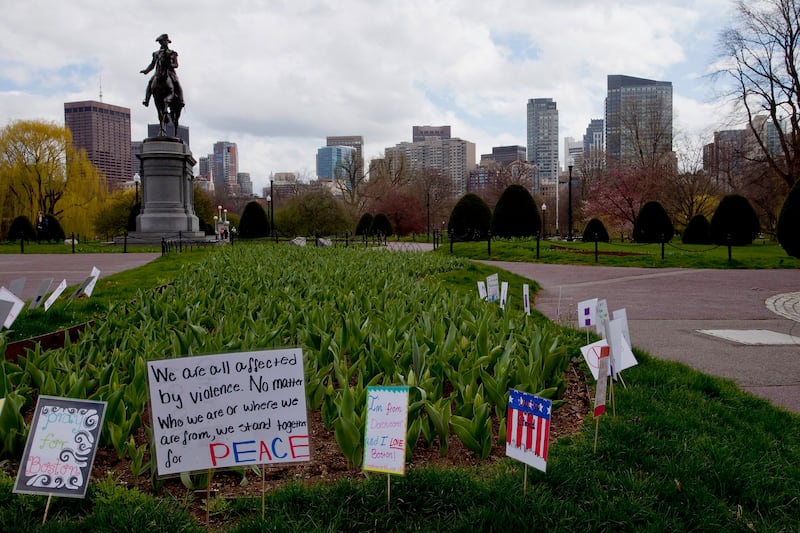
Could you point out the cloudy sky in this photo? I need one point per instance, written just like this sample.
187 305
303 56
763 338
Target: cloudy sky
277 77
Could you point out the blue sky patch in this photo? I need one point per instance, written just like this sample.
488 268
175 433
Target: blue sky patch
43 81
518 46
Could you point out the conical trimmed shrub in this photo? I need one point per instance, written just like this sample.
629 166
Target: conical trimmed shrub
21 228
595 230
515 214
652 224
381 225
470 219
734 222
698 231
789 222
364 226
254 222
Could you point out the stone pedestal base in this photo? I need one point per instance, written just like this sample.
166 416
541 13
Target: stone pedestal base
167 192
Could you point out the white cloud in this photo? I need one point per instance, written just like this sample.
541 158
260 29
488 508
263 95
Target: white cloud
277 77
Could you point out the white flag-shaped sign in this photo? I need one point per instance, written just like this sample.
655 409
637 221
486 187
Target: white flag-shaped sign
493 287
528 428
587 313
592 353
503 294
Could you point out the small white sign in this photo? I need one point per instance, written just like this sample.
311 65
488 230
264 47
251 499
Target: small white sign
482 290
587 313
95 275
493 287
10 307
55 294
385 433
592 353
503 294
526 298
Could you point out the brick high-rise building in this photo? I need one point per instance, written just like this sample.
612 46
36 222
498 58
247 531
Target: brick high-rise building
104 131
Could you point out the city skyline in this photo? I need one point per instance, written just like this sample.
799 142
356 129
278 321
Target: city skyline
277 81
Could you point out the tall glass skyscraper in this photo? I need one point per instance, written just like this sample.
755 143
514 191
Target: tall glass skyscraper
543 140
638 120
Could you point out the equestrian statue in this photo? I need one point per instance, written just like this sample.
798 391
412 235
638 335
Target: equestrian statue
164 86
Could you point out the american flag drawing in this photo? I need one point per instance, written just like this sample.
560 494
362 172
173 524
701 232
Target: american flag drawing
528 428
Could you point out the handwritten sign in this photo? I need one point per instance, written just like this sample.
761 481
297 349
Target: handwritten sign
226 410
385 435
61 446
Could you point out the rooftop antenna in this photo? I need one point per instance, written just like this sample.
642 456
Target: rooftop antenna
101 89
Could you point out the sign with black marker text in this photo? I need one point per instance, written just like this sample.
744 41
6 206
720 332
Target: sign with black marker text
227 410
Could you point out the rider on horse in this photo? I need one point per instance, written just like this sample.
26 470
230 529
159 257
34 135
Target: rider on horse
167 57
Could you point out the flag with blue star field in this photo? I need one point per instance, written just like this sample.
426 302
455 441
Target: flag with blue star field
528 428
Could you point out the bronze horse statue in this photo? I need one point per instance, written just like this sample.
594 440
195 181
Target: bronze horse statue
168 101
164 86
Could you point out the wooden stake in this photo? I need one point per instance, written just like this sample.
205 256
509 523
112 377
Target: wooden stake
525 482
596 430
613 400
263 490
208 499
46 508
388 492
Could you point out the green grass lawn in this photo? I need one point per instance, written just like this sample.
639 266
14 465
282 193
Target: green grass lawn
675 254
684 452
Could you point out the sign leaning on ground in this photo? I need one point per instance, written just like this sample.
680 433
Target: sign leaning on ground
226 410
61 446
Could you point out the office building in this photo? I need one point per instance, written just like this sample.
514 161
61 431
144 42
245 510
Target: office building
454 157
638 121
245 184
429 133
224 162
353 141
104 131
573 152
594 144
331 158
543 140
504 155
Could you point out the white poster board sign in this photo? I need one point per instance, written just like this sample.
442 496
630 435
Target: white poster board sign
528 428
55 294
482 290
503 294
61 446
493 288
10 307
587 313
94 275
385 433
592 353
226 410
526 298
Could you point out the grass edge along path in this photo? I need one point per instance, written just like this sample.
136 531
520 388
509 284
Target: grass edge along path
685 452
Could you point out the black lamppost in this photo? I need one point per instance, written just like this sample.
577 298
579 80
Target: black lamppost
136 180
271 202
569 207
544 220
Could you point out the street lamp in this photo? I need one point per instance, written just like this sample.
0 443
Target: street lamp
271 205
544 219
569 207
136 180
216 227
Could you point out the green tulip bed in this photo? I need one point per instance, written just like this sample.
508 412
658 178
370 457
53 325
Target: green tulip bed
362 317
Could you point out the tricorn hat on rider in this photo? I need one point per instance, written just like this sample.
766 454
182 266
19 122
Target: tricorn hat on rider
163 37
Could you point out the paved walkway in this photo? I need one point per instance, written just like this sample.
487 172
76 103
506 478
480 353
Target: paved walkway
72 267
670 309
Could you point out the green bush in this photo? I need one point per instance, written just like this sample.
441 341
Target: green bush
21 228
515 214
652 224
789 222
698 231
51 230
364 226
254 222
381 225
734 222
595 230
134 212
470 219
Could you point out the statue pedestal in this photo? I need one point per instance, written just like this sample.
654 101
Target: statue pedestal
167 192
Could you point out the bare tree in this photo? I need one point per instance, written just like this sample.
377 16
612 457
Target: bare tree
760 61
350 180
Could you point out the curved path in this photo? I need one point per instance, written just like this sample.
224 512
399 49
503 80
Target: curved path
738 324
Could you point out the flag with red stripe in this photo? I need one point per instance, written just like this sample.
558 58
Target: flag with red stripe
528 428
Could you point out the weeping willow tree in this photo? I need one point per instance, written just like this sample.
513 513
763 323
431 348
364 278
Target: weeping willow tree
42 172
